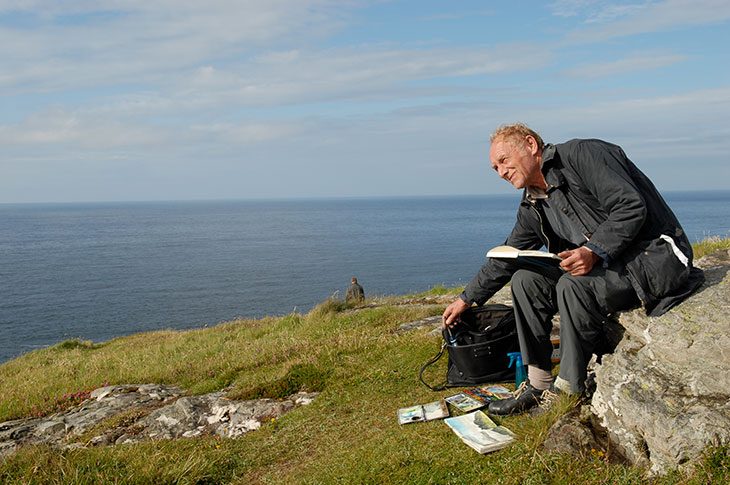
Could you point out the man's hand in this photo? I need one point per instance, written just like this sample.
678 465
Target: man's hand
578 262
452 312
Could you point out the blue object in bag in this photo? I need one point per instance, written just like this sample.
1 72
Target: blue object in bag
516 359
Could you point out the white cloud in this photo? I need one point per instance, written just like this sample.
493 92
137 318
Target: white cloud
136 41
74 131
630 64
287 77
610 21
570 8
243 97
247 133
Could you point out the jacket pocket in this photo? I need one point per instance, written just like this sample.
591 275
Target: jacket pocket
658 269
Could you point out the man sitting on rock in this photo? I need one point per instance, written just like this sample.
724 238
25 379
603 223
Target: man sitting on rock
620 245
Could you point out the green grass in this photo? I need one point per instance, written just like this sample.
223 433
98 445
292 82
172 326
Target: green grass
440 290
710 245
364 370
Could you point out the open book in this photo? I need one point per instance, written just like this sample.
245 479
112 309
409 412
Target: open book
481 433
486 394
465 403
423 412
525 257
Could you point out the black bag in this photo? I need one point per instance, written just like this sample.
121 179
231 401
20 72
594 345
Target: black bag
477 346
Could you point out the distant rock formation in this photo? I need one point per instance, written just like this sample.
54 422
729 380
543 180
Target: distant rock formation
664 395
133 413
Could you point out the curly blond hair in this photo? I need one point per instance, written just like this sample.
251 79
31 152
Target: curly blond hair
516 133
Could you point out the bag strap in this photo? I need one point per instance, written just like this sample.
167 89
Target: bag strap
442 386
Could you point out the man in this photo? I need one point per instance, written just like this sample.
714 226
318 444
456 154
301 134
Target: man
620 245
355 293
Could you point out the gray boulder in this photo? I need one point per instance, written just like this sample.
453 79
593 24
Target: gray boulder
664 395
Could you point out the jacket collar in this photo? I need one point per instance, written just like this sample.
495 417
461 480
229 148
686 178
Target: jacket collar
548 154
553 175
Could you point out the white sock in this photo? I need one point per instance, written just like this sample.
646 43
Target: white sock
540 379
563 385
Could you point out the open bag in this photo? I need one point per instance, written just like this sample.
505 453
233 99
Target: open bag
477 347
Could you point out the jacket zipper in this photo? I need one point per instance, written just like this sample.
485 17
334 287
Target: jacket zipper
539 218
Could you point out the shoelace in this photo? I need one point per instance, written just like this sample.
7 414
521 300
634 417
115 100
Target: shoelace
547 398
520 390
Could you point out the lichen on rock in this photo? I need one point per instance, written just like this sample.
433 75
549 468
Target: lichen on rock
135 413
663 396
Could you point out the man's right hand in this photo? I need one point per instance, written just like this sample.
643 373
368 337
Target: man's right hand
452 312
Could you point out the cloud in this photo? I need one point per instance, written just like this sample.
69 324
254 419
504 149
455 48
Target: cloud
570 8
138 41
630 64
594 11
359 72
244 98
613 21
455 15
247 133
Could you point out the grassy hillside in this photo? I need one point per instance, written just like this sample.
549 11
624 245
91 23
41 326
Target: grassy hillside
349 434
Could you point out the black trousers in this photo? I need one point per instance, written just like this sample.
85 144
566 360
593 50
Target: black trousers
584 304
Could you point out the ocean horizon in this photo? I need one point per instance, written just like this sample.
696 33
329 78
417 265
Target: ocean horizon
99 270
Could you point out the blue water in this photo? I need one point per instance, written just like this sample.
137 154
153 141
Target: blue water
97 271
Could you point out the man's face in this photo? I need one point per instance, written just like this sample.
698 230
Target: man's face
517 163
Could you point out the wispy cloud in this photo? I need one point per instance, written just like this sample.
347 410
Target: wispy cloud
596 11
239 98
633 63
456 15
610 21
145 41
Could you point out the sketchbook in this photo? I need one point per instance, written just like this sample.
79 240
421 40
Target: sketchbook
464 403
423 412
527 257
486 394
481 433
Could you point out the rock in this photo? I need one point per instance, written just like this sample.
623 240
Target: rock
428 322
145 412
570 434
664 395
49 428
578 433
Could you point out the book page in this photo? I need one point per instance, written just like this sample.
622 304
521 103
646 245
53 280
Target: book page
510 252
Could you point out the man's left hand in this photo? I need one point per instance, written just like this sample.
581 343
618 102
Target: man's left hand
578 262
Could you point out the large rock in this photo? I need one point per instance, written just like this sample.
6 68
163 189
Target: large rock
664 395
135 413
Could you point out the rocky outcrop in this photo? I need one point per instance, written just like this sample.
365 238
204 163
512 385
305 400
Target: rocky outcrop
664 395
133 413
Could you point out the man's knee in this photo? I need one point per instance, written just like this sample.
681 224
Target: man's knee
579 306
525 281
569 284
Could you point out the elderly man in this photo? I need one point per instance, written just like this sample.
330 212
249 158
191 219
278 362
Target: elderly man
620 245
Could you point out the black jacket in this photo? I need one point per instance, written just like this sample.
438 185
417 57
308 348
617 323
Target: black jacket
607 204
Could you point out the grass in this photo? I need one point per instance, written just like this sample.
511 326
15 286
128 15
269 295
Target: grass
710 245
365 371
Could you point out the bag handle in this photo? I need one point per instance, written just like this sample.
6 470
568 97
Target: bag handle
440 387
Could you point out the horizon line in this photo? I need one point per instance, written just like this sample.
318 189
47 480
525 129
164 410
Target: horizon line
311 198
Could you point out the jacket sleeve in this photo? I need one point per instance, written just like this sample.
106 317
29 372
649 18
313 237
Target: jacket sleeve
602 168
495 273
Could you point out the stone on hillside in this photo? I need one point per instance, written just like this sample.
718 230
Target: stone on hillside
664 395
144 412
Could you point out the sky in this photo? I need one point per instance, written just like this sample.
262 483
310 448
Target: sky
126 100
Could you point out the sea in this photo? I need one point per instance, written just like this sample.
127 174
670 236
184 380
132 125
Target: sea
96 271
